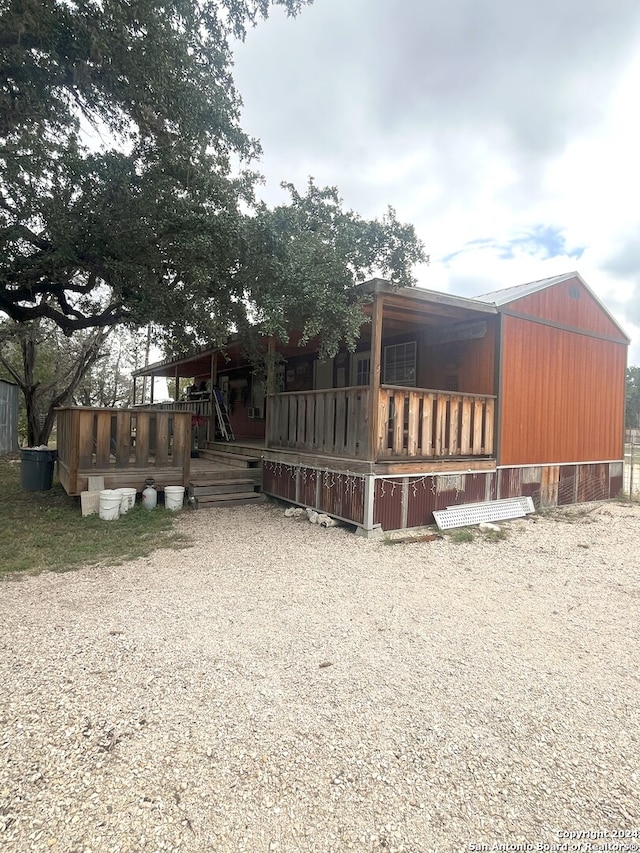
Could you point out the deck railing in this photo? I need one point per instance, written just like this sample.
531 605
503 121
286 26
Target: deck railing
332 422
427 424
123 445
413 423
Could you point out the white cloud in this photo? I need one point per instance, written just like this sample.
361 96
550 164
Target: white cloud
487 120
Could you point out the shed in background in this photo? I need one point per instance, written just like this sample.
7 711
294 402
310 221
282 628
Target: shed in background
8 417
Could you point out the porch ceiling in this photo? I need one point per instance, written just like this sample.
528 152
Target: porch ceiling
406 310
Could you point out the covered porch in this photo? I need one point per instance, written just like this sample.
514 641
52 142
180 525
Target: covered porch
420 387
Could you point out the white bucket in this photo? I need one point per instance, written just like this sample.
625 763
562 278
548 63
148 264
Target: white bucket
173 497
110 500
127 500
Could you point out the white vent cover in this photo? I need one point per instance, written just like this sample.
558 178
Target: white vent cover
466 514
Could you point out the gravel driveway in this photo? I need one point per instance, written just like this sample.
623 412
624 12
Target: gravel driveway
282 687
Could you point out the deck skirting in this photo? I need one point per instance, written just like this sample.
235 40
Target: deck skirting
390 501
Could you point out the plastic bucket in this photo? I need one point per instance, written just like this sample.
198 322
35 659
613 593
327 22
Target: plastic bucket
110 500
173 497
127 500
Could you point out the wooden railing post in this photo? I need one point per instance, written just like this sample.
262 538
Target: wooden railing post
375 377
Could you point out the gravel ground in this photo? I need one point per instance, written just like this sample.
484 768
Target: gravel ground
282 687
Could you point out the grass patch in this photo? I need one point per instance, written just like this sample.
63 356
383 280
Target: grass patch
461 534
46 531
496 535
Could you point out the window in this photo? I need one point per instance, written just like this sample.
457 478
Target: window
400 364
363 370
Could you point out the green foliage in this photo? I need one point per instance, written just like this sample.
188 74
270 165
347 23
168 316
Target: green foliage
46 531
461 534
302 263
632 410
125 195
123 226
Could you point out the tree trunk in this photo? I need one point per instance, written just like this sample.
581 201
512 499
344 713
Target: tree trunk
40 423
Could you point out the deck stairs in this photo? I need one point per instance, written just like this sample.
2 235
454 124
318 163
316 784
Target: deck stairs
224 477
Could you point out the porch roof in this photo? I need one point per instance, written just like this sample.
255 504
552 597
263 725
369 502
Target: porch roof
404 308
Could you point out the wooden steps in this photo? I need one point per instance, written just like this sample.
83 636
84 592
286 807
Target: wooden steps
233 479
237 499
234 460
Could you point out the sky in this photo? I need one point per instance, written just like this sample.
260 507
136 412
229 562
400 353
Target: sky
507 132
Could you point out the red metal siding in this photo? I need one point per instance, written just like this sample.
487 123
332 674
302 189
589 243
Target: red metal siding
421 501
387 507
308 481
562 396
510 480
342 495
279 480
427 494
569 303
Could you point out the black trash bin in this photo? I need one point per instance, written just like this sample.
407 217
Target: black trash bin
36 469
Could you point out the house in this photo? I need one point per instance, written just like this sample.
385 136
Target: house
447 400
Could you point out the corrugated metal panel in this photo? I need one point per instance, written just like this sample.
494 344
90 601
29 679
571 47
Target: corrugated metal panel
593 482
492 486
342 495
308 481
8 417
562 396
279 480
387 507
421 501
510 482
475 488
567 486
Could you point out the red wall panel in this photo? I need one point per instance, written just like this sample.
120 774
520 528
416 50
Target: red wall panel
562 396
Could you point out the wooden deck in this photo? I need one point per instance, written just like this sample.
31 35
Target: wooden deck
256 448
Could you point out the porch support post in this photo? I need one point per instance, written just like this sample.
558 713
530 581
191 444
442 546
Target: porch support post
369 492
368 529
211 422
374 378
271 385
271 365
134 389
177 391
152 379
214 369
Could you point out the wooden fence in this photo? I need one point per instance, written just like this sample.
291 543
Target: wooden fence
124 445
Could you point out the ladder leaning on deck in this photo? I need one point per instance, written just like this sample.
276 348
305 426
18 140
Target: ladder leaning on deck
222 419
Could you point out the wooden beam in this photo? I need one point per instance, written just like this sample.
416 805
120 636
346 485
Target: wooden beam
375 374
271 365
